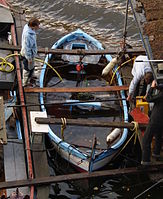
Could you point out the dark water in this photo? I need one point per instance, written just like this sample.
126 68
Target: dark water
104 20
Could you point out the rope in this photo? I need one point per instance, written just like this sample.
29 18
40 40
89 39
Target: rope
111 81
4 63
6 66
42 61
63 126
138 196
135 128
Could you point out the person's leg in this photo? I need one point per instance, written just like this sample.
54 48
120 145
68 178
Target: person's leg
31 68
25 72
147 139
25 77
31 73
158 141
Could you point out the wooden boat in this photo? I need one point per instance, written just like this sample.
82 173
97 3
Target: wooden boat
83 147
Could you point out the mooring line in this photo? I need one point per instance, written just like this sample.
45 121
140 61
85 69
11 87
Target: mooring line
149 188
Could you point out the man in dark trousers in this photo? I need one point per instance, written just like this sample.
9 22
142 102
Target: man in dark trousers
155 126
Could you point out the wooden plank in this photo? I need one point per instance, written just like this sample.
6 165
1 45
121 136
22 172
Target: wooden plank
3 135
39 154
75 89
80 176
111 51
14 163
86 122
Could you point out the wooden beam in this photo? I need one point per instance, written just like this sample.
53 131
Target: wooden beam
79 176
62 102
86 122
75 89
3 134
111 51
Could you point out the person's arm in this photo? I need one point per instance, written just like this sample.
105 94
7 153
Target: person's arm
151 97
132 86
28 51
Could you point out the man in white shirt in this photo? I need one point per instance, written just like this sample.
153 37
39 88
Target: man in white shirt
140 70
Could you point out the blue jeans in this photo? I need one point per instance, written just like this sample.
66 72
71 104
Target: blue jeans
26 67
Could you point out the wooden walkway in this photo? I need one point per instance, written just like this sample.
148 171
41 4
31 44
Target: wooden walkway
15 167
40 162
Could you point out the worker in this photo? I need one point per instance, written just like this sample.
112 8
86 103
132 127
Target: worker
29 49
155 125
141 69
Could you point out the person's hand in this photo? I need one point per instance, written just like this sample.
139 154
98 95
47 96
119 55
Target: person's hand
145 97
129 98
154 83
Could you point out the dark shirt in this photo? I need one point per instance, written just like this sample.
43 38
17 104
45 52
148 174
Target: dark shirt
156 117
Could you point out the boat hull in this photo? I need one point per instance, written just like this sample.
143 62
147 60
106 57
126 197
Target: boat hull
82 160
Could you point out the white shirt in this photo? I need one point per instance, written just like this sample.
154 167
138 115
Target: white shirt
138 71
